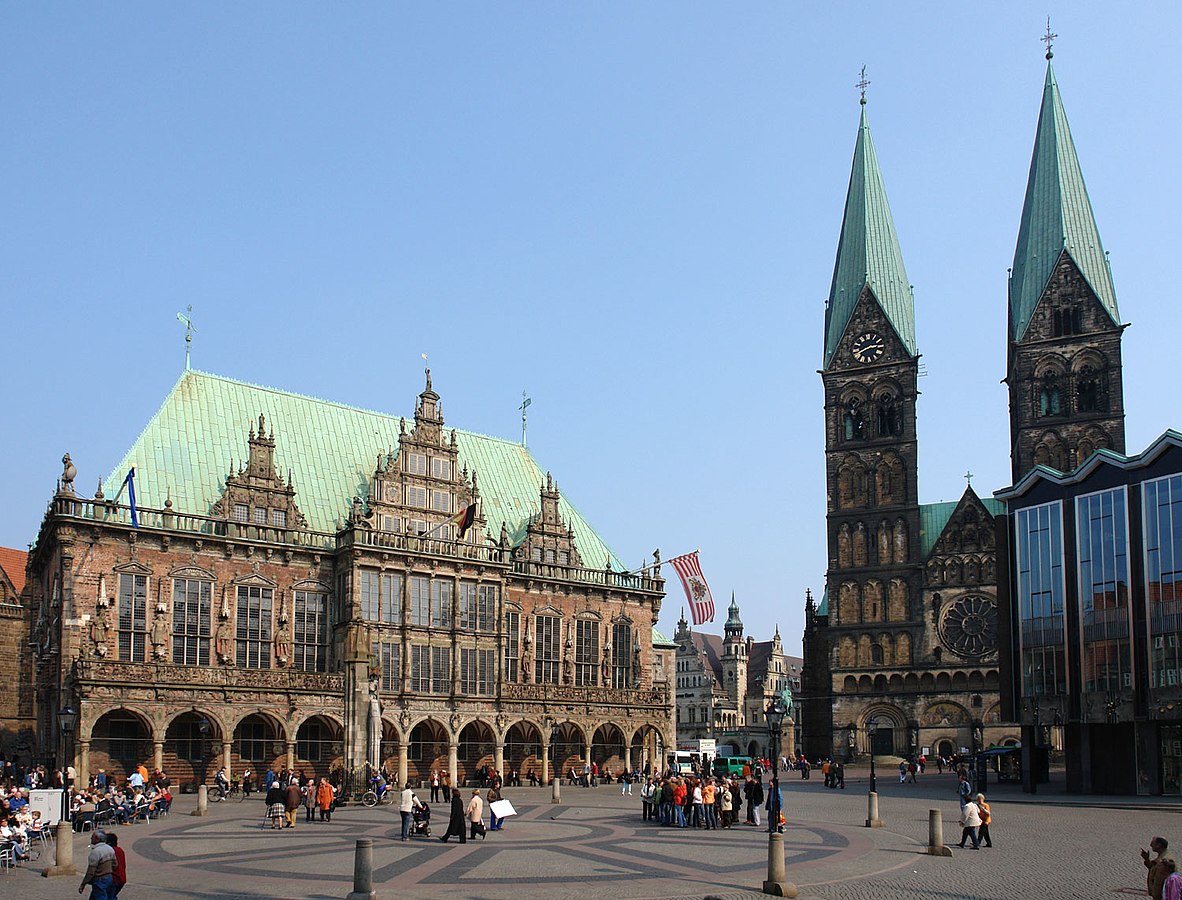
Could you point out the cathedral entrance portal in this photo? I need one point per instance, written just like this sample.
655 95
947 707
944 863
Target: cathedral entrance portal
882 742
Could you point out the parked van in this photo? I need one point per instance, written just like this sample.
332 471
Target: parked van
681 761
731 765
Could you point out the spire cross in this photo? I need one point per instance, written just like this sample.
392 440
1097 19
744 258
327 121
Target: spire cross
1049 39
525 402
968 477
863 83
186 319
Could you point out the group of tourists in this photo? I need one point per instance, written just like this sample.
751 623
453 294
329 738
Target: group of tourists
708 802
287 792
19 825
975 814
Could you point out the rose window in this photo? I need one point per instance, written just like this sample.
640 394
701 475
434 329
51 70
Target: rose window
968 626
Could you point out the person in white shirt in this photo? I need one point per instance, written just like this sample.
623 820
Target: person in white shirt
970 820
407 802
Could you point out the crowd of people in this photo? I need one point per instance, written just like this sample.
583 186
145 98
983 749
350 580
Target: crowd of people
699 800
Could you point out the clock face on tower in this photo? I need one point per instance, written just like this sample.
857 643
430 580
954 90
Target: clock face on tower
868 347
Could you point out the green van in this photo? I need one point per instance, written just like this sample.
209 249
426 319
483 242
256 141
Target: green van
731 765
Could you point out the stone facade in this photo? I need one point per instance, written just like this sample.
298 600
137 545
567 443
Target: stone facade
412 638
16 703
724 684
1065 378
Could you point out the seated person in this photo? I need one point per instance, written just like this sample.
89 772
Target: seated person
13 831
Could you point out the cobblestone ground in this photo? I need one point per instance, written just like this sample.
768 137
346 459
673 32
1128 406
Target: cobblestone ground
594 844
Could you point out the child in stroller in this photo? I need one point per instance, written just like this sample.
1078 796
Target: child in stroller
420 820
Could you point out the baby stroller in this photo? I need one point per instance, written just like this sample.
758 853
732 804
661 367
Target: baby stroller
421 820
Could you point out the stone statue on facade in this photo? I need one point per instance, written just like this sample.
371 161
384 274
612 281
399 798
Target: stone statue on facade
223 642
100 628
282 645
69 472
161 631
374 725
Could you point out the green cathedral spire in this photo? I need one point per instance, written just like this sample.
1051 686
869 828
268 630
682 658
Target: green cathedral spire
868 253
1056 218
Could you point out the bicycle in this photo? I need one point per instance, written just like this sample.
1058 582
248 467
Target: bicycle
217 793
370 798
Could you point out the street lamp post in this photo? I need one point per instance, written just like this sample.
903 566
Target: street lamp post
777 882
872 819
67 720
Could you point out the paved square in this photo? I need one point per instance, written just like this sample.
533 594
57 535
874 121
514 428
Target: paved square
596 844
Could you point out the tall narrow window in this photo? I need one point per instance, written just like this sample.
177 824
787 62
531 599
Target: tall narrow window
441 670
512 646
390 659
586 652
420 668
548 637
622 655
133 617
441 603
368 587
1038 534
467 671
1104 591
191 603
486 614
420 600
311 631
254 627
486 677
391 598
466 606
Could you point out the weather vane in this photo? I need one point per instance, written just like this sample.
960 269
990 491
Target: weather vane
1049 39
862 84
186 319
525 402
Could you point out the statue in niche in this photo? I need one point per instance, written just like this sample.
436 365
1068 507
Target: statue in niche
161 632
223 642
636 670
100 628
282 645
884 544
900 542
860 545
605 667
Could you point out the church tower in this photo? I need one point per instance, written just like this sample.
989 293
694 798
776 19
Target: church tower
734 656
1064 362
869 374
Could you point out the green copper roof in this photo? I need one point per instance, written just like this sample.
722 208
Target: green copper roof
868 253
934 516
661 642
1056 216
823 609
331 450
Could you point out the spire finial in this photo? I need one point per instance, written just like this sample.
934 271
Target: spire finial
968 477
186 319
525 402
862 84
1049 39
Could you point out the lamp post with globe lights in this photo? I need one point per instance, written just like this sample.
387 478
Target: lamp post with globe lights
872 819
777 883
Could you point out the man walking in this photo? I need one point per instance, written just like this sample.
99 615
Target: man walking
407 802
292 798
970 820
100 867
1155 878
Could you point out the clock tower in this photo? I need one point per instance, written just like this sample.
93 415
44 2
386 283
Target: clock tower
874 578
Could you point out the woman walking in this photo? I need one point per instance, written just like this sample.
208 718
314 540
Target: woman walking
986 818
310 800
455 824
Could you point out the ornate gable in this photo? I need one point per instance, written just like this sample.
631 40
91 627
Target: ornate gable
868 319
417 489
256 495
548 539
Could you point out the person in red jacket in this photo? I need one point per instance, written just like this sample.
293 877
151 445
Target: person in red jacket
119 875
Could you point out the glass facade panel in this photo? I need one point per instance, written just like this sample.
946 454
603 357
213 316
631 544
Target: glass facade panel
1102 534
1038 540
1163 579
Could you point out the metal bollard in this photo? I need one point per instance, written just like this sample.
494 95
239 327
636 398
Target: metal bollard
555 790
872 819
202 801
63 837
936 845
777 883
363 871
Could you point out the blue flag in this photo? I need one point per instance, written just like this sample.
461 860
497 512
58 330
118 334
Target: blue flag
129 483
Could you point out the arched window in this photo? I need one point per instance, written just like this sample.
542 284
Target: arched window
876 654
888 416
1050 401
853 420
1087 390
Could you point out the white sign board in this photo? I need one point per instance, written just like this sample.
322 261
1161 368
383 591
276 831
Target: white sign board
502 809
49 803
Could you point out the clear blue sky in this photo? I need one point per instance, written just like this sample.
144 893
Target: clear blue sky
629 210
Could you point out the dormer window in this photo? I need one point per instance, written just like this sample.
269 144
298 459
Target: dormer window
441 468
241 512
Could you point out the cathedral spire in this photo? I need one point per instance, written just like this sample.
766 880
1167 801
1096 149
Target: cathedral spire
868 253
1057 218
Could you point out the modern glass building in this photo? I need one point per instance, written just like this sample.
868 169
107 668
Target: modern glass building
1090 609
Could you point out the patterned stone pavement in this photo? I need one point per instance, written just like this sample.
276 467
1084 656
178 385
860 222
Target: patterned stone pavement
595 843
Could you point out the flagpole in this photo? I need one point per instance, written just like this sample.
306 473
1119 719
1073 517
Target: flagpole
644 569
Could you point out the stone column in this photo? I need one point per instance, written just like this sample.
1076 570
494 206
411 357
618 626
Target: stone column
227 746
291 759
202 801
587 754
64 858
83 766
453 751
499 758
363 871
158 756
403 768
627 759
545 762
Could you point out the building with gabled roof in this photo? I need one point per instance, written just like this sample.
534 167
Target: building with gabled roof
16 706
308 585
724 684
